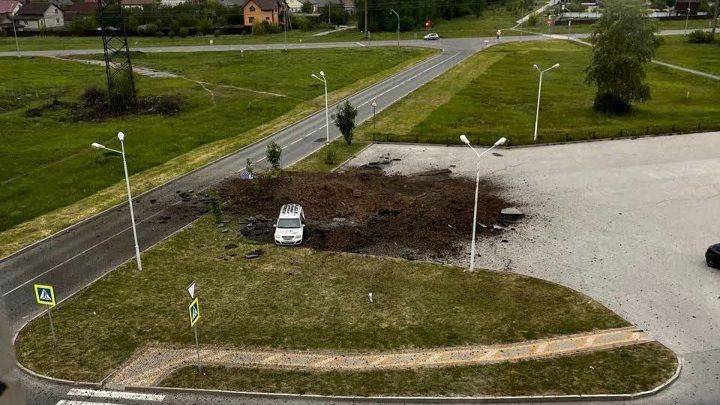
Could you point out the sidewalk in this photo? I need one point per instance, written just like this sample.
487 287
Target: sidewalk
151 364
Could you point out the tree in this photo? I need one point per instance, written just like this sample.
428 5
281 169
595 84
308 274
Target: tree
307 7
624 42
273 153
345 120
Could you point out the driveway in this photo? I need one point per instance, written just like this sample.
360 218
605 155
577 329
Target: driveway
626 222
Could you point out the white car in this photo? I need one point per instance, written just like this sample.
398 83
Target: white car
431 37
290 226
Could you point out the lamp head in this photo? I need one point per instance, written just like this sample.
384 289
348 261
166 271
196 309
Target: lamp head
464 140
556 65
501 141
97 145
121 136
322 73
536 66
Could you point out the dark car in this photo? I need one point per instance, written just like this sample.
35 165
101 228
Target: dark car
712 256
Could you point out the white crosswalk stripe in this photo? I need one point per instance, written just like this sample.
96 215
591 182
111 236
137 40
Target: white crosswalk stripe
68 402
134 396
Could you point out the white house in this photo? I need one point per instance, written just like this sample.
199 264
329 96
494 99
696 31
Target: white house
295 6
39 16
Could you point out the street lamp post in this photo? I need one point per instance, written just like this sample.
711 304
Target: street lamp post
398 26
121 137
687 17
323 79
466 141
537 111
17 44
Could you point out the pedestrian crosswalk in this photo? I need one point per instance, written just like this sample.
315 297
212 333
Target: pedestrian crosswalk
89 397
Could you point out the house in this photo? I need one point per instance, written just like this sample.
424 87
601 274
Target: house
348 5
136 3
8 9
294 6
257 11
79 11
40 16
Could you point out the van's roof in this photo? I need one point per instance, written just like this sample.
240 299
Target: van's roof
291 211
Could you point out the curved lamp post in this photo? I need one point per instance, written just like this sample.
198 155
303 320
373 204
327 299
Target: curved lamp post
323 79
121 137
537 111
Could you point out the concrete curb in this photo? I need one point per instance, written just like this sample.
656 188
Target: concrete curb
399 399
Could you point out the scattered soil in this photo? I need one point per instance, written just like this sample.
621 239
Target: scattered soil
366 211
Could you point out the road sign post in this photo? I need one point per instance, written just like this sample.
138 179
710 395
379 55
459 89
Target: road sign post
194 312
45 295
374 106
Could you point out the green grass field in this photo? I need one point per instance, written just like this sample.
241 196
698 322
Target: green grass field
625 370
48 163
295 299
677 50
576 28
494 94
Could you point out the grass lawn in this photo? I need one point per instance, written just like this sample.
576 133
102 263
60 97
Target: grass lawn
318 161
295 299
677 50
625 370
48 163
494 94
543 28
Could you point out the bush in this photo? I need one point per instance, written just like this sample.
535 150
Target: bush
302 23
148 29
205 26
273 154
532 20
265 27
607 103
407 24
330 156
700 37
184 31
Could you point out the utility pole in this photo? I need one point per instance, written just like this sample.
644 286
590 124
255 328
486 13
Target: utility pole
715 18
366 18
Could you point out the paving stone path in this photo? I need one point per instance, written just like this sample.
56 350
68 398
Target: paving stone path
151 364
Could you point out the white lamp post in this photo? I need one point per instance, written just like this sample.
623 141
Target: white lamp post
466 141
121 137
398 26
17 44
537 111
323 79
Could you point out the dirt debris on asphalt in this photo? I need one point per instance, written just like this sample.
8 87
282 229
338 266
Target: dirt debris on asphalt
421 216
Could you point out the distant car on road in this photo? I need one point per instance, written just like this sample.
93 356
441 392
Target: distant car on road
290 226
712 256
431 37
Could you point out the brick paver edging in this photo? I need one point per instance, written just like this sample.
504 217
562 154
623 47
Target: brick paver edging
152 363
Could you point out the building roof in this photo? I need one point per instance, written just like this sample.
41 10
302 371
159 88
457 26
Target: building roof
8 6
34 10
265 5
82 8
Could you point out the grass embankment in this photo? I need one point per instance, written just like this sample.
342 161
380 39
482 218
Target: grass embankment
562 28
318 162
53 167
494 94
703 57
295 299
624 370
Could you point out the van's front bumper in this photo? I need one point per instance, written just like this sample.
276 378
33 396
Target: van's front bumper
291 242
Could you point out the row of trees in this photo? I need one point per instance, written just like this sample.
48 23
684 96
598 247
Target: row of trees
413 13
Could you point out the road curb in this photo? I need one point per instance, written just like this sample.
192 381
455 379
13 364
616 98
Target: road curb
401 399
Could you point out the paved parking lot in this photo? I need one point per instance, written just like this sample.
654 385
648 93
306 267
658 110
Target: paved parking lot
626 222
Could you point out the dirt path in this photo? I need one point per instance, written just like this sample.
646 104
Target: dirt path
151 364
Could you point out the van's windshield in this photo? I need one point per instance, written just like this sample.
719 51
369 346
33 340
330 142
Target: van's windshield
289 223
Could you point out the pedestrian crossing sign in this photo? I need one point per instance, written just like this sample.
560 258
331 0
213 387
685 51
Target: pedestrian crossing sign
45 295
194 312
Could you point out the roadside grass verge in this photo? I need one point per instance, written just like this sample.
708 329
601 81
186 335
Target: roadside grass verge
562 29
55 179
678 51
624 370
500 100
294 299
318 162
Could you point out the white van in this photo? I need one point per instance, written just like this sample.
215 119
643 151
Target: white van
290 226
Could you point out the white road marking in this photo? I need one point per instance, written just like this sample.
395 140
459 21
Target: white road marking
78 392
68 402
361 44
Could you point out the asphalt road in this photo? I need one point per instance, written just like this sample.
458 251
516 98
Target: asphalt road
626 222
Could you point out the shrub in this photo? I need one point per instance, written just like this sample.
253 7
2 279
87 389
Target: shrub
205 26
407 24
345 120
532 20
184 31
302 23
700 37
607 103
148 29
330 156
273 154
